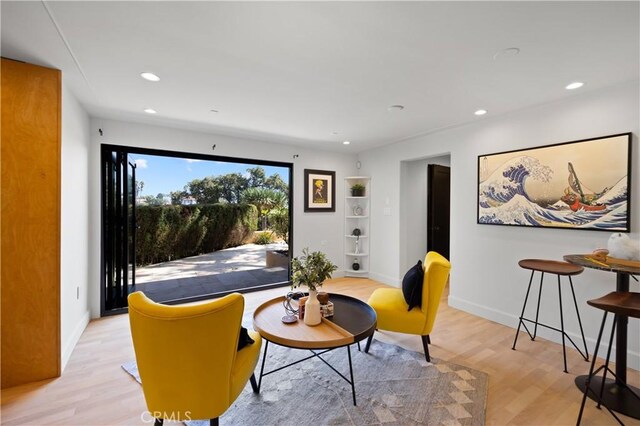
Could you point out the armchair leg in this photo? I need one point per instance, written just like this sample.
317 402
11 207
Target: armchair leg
158 422
214 422
425 344
254 386
366 348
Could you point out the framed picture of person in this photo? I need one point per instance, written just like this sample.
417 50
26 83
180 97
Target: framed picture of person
319 191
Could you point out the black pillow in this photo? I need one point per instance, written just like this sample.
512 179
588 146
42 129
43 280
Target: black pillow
244 338
412 285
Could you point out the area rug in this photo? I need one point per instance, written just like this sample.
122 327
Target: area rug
393 387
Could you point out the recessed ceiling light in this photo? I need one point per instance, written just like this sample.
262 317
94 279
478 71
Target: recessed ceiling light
509 52
149 76
150 111
574 85
395 108
480 112
346 143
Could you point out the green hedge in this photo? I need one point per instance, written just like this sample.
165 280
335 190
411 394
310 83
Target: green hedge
174 232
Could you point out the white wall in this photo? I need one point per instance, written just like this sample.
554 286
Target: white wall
74 272
414 208
318 231
486 279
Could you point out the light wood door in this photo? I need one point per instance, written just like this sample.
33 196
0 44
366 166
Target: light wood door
30 225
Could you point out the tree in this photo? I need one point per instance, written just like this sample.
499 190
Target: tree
256 178
139 186
177 196
158 200
264 199
279 220
275 182
205 191
232 185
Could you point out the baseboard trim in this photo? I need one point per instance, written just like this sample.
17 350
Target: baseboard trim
75 337
384 279
511 320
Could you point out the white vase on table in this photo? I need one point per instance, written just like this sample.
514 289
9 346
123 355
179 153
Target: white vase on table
312 315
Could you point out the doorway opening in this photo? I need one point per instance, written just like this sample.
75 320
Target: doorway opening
424 209
183 227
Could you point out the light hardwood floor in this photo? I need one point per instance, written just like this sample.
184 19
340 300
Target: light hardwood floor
526 387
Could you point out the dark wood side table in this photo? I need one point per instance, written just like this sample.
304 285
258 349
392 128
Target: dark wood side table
615 396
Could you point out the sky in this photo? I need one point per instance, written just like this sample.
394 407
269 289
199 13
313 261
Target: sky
166 174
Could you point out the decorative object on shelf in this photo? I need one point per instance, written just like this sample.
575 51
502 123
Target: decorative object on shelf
357 190
319 191
311 269
356 232
357 251
357 210
573 185
356 265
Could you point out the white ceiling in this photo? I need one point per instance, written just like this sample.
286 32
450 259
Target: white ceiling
296 72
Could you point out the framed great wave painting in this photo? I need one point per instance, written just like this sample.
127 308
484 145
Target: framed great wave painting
573 185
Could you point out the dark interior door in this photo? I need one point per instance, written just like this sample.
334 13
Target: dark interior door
438 196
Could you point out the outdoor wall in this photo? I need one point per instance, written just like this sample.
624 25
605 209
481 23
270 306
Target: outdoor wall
74 271
318 231
486 279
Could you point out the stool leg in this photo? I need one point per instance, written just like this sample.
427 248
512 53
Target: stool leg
535 326
584 341
522 313
564 350
606 363
593 364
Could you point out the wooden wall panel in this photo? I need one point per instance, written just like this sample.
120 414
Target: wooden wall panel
30 222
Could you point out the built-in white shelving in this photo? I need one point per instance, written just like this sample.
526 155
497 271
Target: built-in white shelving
356 216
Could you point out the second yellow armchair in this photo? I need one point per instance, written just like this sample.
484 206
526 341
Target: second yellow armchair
392 309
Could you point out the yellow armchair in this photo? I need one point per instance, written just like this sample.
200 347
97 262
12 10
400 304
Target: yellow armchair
187 356
392 309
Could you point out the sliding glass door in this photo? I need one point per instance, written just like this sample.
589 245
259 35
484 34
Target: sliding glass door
118 228
183 227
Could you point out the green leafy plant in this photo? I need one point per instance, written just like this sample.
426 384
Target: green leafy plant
174 232
357 190
311 269
279 221
263 238
265 200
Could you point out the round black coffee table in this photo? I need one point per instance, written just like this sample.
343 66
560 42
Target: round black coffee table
353 321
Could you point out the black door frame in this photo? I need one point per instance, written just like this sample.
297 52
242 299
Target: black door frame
106 149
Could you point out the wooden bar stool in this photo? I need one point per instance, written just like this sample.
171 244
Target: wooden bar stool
557 268
619 303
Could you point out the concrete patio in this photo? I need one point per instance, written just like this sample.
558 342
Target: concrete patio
234 269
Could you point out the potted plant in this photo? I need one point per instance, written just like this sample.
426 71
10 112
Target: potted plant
357 190
311 269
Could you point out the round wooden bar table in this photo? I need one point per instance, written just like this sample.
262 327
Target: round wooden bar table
353 321
615 396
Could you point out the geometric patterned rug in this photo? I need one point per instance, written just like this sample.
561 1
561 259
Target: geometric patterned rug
393 387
